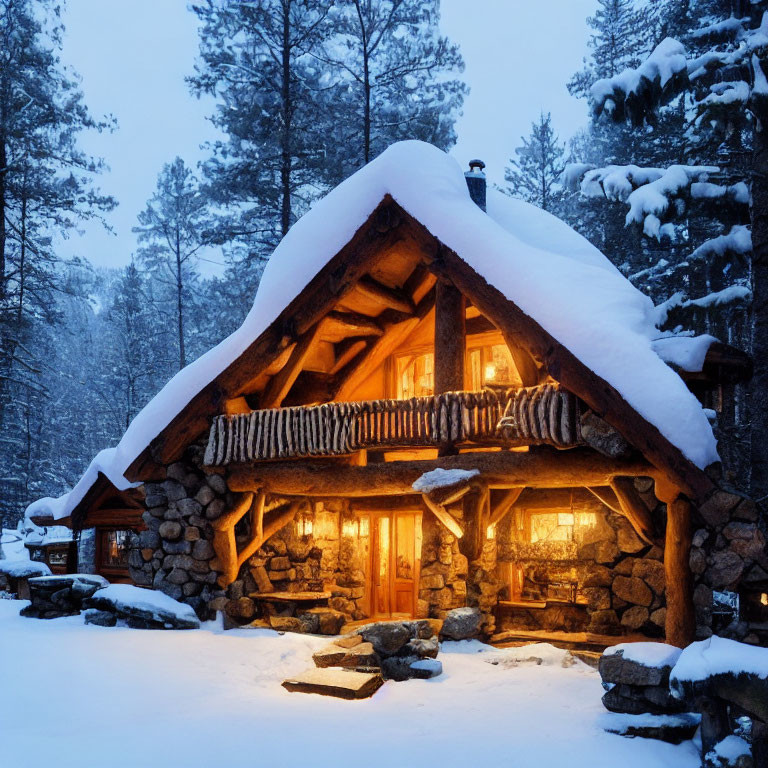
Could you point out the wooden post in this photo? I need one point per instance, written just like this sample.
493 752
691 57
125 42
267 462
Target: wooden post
681 619
450 343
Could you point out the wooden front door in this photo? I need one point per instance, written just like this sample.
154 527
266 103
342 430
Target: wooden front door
394 567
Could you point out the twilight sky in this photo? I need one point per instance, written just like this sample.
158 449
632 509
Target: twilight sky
133 56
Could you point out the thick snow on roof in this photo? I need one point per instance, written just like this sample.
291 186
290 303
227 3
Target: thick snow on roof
687 353
551 272
106 462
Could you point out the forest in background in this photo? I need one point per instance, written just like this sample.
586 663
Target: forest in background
662 180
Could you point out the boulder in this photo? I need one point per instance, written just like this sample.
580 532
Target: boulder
462 623
387 638
653 670
426 668
143 608
652 573
100 618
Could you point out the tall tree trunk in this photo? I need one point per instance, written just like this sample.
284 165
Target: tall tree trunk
759 277
366 85
285 159
180 301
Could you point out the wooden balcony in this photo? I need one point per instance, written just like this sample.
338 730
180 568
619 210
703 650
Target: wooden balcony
539 415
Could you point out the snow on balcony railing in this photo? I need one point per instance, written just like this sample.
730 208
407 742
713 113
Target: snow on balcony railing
545 414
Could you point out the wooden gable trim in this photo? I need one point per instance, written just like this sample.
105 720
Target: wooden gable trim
561 364
378 235
391 226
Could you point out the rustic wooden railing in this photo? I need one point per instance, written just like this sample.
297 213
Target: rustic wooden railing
534 415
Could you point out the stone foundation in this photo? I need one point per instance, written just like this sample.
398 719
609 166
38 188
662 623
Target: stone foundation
175 553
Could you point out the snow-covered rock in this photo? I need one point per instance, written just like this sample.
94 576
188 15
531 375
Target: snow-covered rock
143 608
23 569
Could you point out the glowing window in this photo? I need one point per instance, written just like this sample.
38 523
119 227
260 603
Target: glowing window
114 549
491 365
551 526
415 375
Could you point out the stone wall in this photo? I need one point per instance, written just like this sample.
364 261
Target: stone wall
292 562
618 579
443 576
86 551
728 555
175 552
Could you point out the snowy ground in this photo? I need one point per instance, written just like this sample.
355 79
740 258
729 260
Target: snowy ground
76 695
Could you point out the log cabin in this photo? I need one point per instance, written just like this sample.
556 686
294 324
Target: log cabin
442 397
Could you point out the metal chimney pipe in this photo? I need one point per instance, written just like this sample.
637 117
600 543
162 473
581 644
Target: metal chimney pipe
476 182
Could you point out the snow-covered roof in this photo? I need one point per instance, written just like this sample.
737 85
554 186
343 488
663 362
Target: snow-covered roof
548 270
686 353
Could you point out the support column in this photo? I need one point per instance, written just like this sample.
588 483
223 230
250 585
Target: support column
482 585
450 342
681 618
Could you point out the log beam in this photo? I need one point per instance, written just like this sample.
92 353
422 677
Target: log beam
351 324
542 468
608 497
346 351
444 516
224 543
634 509
389 297
283 380
362 366
450 338
279 518
502 507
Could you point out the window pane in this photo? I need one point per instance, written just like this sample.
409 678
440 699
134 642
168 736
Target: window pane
415 375
115 548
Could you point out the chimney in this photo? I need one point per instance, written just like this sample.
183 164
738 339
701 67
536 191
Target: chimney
476 182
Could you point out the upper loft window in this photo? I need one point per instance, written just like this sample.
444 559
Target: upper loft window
491 365
488 365
415 375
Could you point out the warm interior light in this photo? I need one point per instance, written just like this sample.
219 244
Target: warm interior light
565 518
364 531
490 532
587 519
490 372
350 528
764 598
305 525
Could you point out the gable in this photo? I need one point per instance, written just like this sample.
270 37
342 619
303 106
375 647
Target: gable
560 305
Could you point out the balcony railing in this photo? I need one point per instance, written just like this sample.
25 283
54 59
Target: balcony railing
539 415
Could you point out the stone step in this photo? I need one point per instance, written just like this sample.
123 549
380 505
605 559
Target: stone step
330 681
360 655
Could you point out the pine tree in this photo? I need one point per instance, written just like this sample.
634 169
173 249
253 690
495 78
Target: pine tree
255 59
619 39
46 185
172 230
535 175
713 77
396 77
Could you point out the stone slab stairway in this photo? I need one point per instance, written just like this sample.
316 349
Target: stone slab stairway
341 683
354 666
